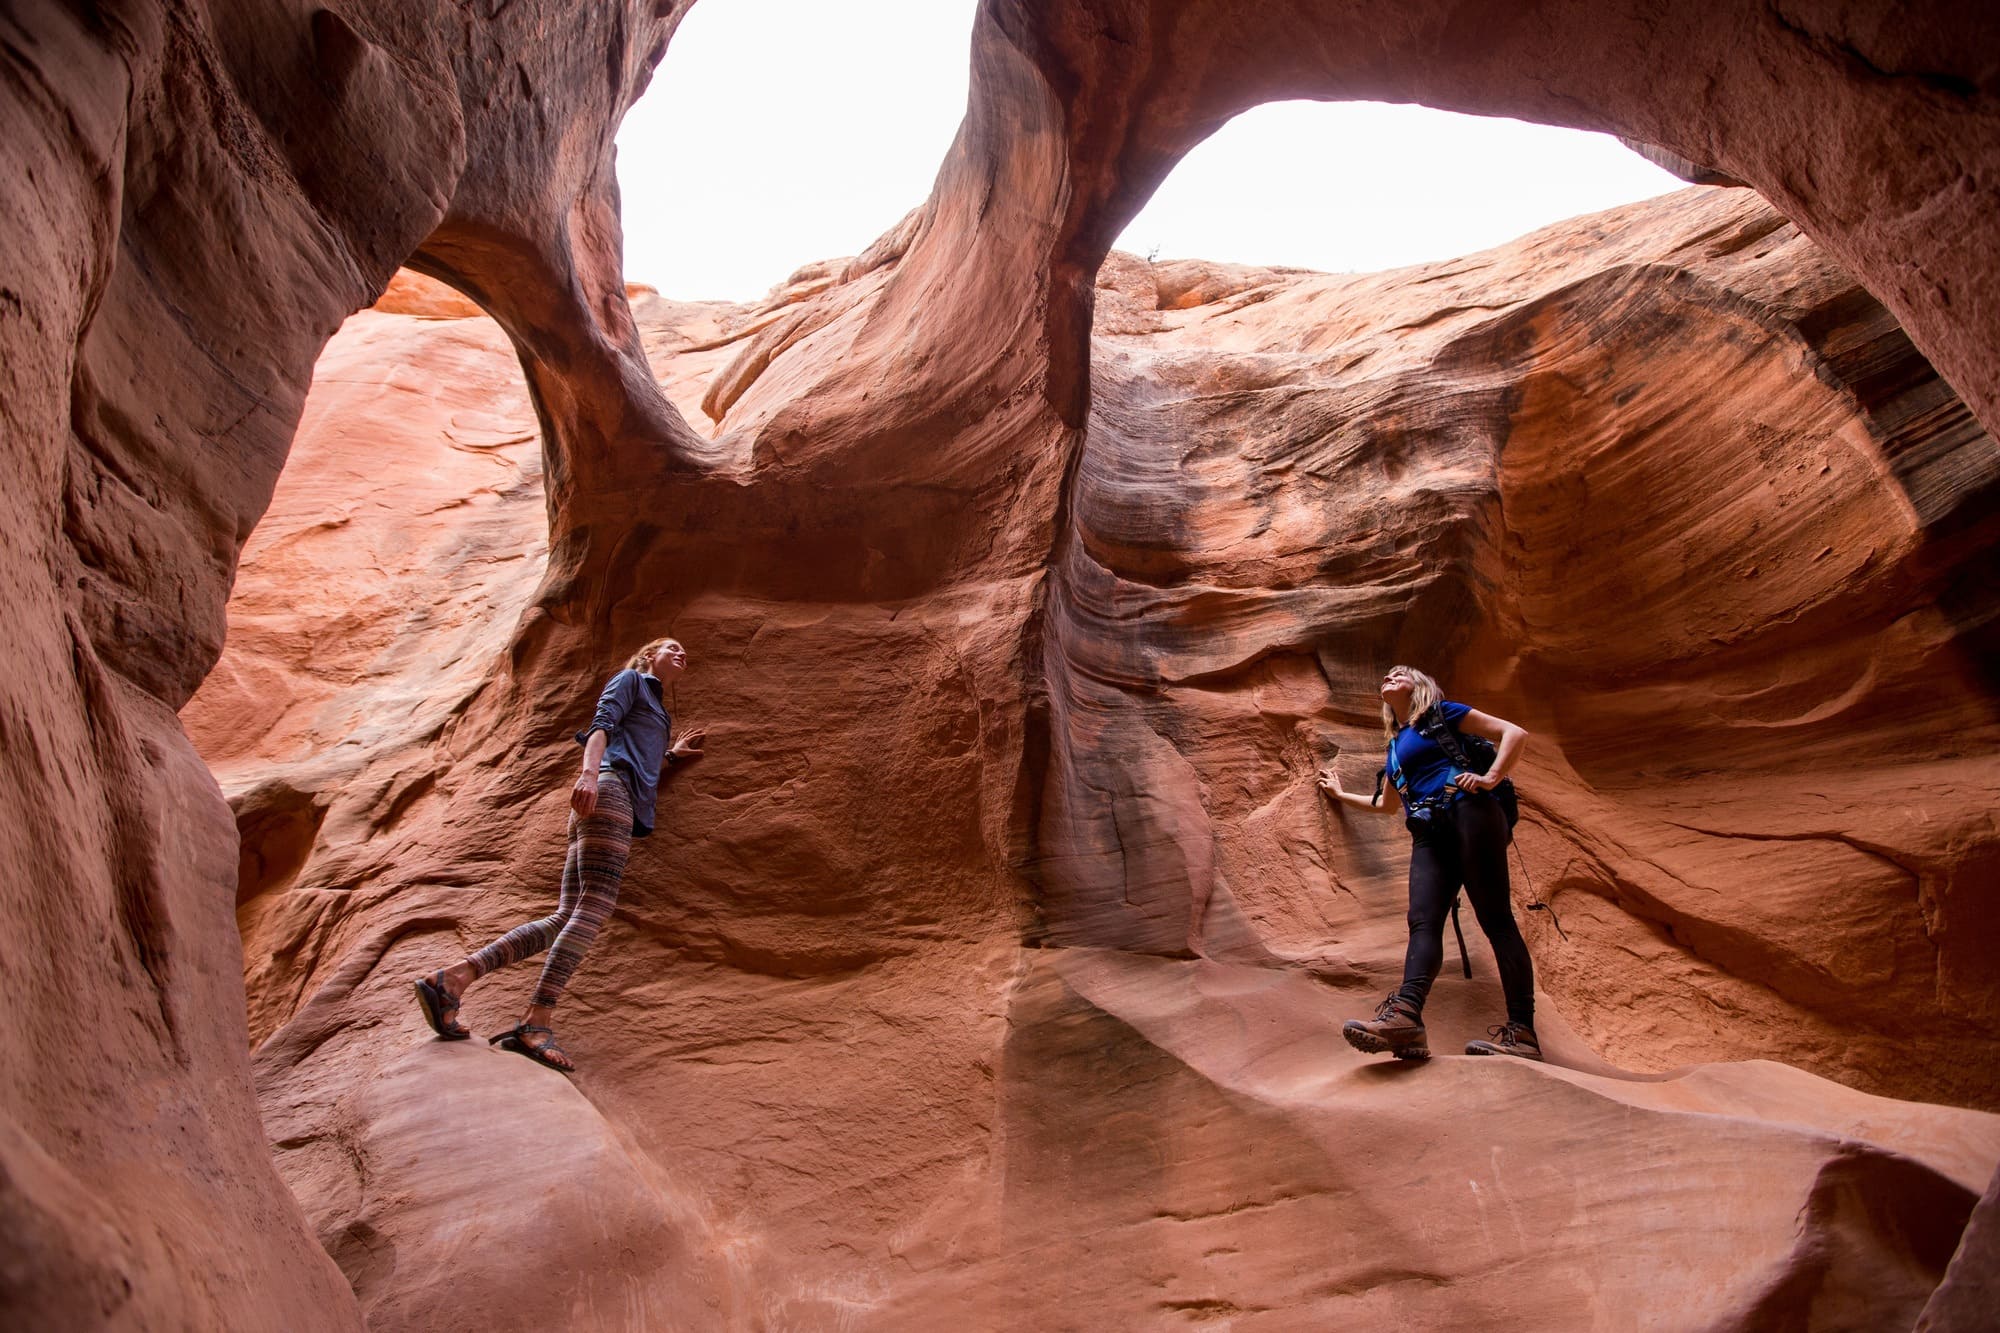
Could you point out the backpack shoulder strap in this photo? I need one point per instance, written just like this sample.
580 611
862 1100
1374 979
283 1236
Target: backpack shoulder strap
1431 725
1444 735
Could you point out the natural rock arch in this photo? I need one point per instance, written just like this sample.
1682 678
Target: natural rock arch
150 387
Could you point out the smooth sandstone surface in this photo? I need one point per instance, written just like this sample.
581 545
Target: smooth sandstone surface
201 193
823 1079
196 196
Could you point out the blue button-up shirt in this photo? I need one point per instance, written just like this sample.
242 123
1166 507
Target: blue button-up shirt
631 712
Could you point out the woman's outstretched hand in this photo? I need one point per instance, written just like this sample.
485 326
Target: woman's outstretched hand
1329 782
689 746
583 796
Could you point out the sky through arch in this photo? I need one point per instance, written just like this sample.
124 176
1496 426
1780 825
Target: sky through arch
779 132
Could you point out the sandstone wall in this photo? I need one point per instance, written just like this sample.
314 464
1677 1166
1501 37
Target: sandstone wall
197 195
203 191
1644 485
994 958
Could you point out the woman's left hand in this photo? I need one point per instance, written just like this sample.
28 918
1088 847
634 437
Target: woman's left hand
1475 782
689 746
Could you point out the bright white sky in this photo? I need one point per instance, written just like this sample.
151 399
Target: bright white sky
778 132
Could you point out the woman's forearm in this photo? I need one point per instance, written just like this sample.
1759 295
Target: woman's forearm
593 750
1512 739
1508 741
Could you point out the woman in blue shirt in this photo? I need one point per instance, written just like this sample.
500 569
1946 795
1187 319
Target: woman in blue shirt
628 742
1459 834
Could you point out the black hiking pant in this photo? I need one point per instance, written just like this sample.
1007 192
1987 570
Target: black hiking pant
1465 844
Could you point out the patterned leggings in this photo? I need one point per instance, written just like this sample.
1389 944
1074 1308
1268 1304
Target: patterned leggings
598 845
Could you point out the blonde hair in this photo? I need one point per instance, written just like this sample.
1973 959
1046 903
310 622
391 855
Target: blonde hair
643 659
1424 692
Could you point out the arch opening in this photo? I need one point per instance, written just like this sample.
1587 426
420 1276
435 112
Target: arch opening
768 938
1289 480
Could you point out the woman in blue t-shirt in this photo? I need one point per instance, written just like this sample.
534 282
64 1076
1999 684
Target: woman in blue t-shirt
1459 835
626 746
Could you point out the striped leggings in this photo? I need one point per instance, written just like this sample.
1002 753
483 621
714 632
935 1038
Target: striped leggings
598 845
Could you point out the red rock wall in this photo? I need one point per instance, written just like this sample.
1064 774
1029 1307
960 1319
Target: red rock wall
822 1071
1741 682
197 195
209 189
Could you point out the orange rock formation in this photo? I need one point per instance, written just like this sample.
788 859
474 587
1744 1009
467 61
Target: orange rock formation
1008 638
995 957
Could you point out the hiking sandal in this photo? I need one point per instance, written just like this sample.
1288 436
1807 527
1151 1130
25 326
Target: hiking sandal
436 1002
514 1040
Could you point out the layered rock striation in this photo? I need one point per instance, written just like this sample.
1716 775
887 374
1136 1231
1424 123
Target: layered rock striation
1645 486
203 192
197 196
993 959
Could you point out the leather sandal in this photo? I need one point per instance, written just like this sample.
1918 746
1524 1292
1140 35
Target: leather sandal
512 1040
437 1002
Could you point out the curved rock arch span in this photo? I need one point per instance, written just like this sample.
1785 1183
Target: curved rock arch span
204 191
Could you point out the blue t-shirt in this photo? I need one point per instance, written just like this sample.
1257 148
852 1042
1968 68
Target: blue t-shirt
1427 769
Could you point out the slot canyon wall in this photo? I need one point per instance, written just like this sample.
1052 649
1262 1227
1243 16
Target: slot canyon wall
993 961
813 1004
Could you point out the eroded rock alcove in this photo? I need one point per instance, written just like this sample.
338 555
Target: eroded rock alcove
996 961
1285 478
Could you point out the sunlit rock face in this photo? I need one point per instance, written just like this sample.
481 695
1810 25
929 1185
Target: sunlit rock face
199 194
196 196
993 960
1652 486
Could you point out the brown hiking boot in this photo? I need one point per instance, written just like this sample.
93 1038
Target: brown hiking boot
1508 1039
1397 1028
